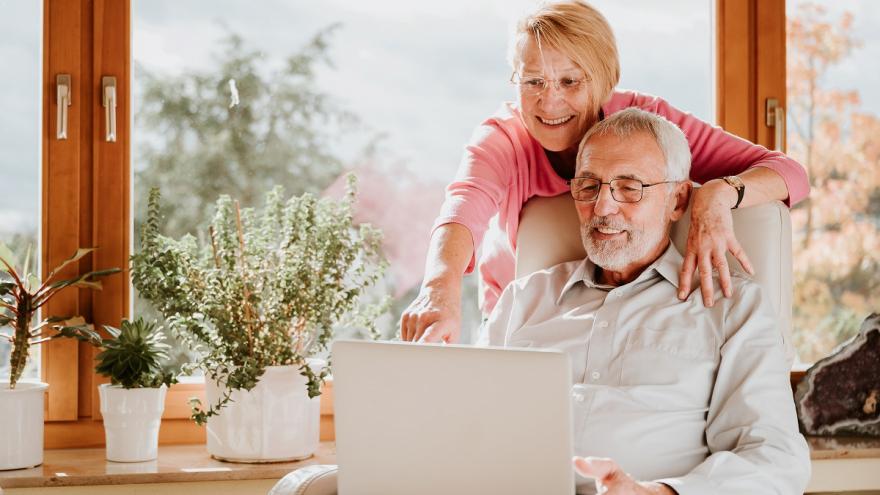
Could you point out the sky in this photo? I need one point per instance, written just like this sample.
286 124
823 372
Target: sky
423 74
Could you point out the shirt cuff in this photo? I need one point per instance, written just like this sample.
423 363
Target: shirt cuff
691 484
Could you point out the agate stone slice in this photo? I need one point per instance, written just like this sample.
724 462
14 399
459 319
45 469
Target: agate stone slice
840 394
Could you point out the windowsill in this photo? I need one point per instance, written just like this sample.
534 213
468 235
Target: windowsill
191 463
176 463
822 448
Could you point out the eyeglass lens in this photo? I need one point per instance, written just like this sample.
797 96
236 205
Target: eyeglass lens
622 190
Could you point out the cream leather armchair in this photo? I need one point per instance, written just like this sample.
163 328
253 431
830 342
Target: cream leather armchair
549 233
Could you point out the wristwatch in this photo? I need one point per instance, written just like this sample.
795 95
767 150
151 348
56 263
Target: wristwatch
737 184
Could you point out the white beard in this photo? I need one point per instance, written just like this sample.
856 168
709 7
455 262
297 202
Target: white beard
618 254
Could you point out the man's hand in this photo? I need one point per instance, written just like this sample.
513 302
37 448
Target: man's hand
709 239
611 480
434 315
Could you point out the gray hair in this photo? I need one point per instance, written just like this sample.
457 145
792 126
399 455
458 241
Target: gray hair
668 136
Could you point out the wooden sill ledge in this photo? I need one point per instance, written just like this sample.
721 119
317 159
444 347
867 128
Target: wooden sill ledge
176 463
191 463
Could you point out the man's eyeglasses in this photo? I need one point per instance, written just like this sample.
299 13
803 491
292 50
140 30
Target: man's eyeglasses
530 85
622 190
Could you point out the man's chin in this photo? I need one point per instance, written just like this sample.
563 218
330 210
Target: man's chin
607 247
608 263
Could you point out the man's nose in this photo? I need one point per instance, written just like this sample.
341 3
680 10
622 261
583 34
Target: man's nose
605 204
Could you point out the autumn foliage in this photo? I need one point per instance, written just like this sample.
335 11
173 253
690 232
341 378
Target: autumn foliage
837 246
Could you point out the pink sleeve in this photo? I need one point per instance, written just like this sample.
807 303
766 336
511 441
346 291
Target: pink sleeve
480 185
716 153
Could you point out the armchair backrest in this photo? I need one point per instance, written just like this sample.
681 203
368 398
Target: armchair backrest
549 234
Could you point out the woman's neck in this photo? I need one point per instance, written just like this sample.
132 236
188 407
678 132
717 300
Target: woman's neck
563 162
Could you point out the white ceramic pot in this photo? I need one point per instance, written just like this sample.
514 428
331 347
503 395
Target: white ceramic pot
131 421
21 424
276 421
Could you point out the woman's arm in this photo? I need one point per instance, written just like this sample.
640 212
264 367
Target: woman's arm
716 153
767 175
711 230
435 314
484 180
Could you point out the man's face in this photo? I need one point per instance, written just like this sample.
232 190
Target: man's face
622 237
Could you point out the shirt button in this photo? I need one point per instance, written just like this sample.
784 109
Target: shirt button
579 397
603 324
595 375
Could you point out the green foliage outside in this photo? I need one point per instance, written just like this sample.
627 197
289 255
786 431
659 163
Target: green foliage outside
267 288
240 129
198 139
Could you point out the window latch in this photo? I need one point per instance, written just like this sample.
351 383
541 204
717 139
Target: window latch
108 84
775 118
63 93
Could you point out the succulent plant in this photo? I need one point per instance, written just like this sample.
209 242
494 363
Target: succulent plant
132 357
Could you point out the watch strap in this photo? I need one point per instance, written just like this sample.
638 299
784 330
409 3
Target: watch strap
740 189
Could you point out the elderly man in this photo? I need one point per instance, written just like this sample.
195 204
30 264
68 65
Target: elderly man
669 396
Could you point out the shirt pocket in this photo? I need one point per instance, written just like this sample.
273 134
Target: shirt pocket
670 369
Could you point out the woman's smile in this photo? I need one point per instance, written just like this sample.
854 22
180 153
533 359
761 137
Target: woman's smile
555 122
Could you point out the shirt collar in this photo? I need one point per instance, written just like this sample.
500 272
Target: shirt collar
667 266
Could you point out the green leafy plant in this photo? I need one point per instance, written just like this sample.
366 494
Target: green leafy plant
22 295
133 355
266 290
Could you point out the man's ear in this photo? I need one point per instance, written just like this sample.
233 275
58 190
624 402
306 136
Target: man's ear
681 196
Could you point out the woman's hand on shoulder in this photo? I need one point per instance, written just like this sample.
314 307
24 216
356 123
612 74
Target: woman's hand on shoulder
434 315
709 239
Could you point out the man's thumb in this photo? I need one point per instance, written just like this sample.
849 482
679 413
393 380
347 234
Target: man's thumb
594 467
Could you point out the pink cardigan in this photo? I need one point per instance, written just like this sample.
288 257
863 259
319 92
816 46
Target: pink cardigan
503 166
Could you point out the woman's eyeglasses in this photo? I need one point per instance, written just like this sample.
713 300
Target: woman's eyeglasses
531 85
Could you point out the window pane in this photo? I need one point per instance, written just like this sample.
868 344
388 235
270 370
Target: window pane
833 124
391 90
667 49
20 109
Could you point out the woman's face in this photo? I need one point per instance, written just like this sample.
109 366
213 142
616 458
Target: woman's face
558 117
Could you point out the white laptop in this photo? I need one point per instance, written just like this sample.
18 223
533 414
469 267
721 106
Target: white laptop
434 419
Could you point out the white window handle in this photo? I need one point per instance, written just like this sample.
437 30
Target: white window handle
62 83
775 117
780 128
109 85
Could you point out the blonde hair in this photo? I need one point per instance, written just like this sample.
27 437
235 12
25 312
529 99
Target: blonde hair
579 31
668 136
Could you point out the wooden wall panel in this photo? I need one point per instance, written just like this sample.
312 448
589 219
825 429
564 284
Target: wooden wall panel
750 37
736 67
110 167
86 191
770 60
62 203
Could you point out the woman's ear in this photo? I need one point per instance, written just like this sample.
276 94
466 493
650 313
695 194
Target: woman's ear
682 196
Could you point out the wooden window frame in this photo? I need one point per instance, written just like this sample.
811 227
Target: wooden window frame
86 202
87 191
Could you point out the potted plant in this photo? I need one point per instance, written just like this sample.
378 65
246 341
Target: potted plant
133 402
258 300
21 403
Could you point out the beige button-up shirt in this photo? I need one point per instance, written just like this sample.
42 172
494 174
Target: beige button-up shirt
697 398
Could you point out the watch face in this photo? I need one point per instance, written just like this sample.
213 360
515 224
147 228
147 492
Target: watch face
734 181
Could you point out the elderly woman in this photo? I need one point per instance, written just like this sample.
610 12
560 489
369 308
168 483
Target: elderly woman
566 68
